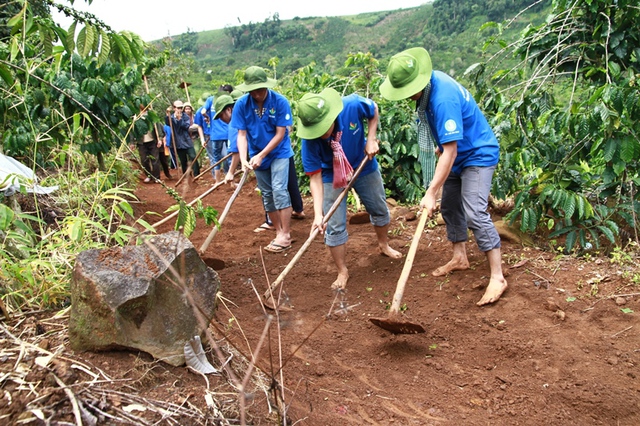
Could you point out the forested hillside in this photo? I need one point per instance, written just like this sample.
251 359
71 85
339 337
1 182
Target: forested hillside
450 29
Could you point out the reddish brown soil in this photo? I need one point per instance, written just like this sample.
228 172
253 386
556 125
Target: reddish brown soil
516 362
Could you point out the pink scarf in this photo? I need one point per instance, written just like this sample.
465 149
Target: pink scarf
342 170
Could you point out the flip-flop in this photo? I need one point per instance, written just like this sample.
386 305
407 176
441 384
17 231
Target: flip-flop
276 248
263 227
298 216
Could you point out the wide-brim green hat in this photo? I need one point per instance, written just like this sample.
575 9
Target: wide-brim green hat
236 94
256 78
221 103
316 113
408 73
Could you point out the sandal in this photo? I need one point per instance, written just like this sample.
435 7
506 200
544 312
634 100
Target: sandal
276 248
264 227
299 216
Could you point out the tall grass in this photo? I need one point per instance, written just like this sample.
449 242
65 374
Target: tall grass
93 212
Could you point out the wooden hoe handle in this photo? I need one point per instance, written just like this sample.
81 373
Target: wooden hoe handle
315 232
408 263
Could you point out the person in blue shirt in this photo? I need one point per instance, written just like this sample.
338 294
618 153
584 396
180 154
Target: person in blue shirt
262 118
218 132
292 185
167 132
333 145
467 151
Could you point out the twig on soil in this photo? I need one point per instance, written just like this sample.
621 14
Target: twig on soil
72 398
613 296
622 331
540 276
383 397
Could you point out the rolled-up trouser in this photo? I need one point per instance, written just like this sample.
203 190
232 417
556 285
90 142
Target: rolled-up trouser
217 150
465 198
273 183
370 189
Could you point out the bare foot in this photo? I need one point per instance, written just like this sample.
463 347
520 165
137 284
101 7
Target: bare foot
453 265
341 282
493 292
389 252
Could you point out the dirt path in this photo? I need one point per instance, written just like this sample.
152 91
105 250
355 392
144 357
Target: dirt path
517 362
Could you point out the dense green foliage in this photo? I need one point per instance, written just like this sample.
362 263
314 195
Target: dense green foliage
267 33
568 120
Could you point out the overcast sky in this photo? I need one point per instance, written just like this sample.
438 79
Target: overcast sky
154 19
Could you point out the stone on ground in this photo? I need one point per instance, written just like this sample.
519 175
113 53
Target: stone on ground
130 298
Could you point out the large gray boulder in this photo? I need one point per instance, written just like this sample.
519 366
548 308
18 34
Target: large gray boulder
129 298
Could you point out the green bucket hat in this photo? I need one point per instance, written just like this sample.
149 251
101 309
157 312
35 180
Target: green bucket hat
316 113
236 94
221 103
256 78
407 74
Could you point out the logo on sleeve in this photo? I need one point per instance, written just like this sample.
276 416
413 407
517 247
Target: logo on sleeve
450 126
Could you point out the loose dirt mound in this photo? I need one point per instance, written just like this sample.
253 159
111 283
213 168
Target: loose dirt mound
556 349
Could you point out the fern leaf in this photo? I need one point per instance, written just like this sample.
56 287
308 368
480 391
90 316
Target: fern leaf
569 206
5 74
580 201
570 241
628 149
582 238
613 226
607 233
610 149
80 41
70 43
90 34
105 48
524 223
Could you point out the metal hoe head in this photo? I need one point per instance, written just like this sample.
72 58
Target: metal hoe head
398 325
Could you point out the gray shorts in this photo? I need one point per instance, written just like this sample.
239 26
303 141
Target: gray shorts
370 189
465 199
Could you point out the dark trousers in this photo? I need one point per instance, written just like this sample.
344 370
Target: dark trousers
186 155
164 162
294 190
149 158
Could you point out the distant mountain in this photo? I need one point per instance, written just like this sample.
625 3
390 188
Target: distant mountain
448 29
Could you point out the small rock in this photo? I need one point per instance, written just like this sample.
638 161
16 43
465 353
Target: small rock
560 314
44 344
551 305
612 360
621 301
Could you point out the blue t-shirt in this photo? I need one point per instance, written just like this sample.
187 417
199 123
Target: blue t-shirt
276 112
218 130
454 116
233 140
198 119
317 153
167 133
